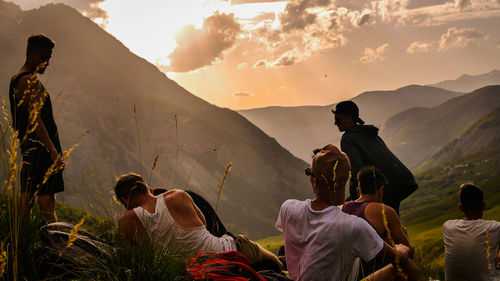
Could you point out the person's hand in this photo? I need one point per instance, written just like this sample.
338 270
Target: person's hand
403 251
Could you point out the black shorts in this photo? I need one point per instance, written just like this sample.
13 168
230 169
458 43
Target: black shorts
35 165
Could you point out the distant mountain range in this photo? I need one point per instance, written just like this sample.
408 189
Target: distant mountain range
468 83
418 133
123 112
301 129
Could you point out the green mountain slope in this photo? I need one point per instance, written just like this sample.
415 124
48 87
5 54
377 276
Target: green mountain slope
483 134
468 83
418 133
123 112
436 200
303 128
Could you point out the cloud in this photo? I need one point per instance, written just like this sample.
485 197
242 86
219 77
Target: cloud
420 47
297 14
460 38
456 10
242 65
260 63
284 60
201 47
389 10
371 55
364 17
242 94
462 4
236 2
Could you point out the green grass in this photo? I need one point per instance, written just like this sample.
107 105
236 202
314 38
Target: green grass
272 243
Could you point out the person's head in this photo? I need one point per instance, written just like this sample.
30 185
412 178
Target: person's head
329 173
346 115
371 182
471 200
128 187
39 52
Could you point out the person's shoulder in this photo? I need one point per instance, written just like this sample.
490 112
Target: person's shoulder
175 194
293 202
292 205
451 224
494 225
176 198
127 216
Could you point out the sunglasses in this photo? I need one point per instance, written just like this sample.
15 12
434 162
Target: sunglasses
309 172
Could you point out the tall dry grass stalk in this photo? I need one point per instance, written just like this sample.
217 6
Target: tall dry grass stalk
393 245
3 260
138 138
228 169
155 161
488 249
20 221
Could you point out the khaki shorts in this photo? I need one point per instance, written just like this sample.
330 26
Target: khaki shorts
247 247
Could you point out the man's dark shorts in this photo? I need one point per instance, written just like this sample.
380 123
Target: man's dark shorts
35 165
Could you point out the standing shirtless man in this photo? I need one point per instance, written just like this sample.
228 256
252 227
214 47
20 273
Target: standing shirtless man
32 117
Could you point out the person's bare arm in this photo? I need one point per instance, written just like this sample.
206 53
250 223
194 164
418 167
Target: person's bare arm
27 91
397 231
130 228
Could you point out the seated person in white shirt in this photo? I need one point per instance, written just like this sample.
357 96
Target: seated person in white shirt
321 241
172 219
470 243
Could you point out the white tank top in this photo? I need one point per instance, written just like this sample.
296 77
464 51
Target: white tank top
162 228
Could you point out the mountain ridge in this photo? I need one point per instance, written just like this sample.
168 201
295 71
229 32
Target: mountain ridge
123 112
301 129
421 134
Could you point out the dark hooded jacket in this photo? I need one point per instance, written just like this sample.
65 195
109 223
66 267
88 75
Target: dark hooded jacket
364 147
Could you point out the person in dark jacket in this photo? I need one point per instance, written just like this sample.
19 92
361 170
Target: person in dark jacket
364 147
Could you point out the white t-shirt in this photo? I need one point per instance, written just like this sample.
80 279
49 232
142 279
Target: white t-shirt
322 245
162 228
466 249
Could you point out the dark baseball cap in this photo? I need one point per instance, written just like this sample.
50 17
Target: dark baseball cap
349 108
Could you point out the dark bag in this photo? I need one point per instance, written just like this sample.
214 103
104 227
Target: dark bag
63 256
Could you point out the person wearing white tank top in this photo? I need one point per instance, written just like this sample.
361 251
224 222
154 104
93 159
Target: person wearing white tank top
172 219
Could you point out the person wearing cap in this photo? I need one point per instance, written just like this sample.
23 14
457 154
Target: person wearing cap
321 241
364 147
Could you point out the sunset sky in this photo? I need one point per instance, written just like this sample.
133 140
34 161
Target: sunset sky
255 53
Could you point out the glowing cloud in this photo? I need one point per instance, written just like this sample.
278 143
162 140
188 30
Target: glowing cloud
460 38
242 94
201 47
372 55
420 47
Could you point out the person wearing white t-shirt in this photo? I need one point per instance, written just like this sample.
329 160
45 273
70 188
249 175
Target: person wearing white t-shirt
470 244
321 241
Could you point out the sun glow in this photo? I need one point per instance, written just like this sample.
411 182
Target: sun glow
149 27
